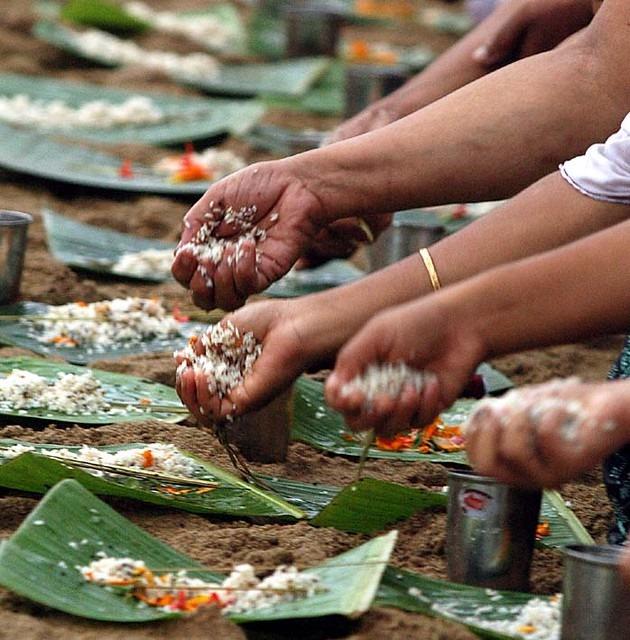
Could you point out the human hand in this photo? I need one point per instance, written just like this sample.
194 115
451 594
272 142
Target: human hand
427 337
342 238
295 335
286 219
546 434
521 28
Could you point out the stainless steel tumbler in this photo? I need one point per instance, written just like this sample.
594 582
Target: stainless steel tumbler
405 236
367 83
595 602
491 532
13 232
313 29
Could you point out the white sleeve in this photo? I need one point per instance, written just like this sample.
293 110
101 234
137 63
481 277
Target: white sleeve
603 172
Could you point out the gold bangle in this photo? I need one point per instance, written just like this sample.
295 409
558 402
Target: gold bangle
430 266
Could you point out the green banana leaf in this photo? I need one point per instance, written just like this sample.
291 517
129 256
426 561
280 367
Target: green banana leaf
187 118
300 283
70 525
433 597
35 473
101 14
282 140
565 526
35 154
119 388
321 427
288 77
13 332
93 248
325 98
456 23
370 505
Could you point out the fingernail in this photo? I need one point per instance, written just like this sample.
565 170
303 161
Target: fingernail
480 54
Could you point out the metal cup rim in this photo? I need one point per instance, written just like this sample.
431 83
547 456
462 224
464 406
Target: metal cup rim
598 554
18 218
469 474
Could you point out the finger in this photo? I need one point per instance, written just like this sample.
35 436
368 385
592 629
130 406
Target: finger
501 43
225 295
202 290
624 565
184 267
188 392
406 406
244 270
205 403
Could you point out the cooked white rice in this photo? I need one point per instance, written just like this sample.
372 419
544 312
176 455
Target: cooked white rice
228 356
150 262
69 393
208 30
537 620
240 592
388 379
122 322
208 248
22 110
109 48
165 458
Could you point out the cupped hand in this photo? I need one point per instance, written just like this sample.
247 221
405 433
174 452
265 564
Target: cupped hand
286 353
521 28
544 435
427 337
286 209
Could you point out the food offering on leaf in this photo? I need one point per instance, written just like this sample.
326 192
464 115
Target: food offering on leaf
364 52
144 264
110 49
157 457
208 30
99 326
175 591
23 111
190 166
434 438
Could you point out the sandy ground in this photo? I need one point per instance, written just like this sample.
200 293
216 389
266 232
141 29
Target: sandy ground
209 540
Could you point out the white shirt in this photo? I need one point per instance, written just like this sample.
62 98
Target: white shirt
603 172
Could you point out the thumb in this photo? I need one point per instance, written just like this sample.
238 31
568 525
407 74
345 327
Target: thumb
502 41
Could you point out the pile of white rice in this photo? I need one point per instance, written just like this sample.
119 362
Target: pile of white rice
218 162
208 248
165 458
240 592
227 357
113 50
69 393
22 110
122 322
388 379
537 620
208 30
150 262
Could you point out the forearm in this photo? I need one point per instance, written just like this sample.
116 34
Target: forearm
450 71
488 140
561 296
547 215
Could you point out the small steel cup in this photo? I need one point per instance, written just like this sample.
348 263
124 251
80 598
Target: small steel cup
491 532
595 601
313 30
13 231
367 83
405 236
